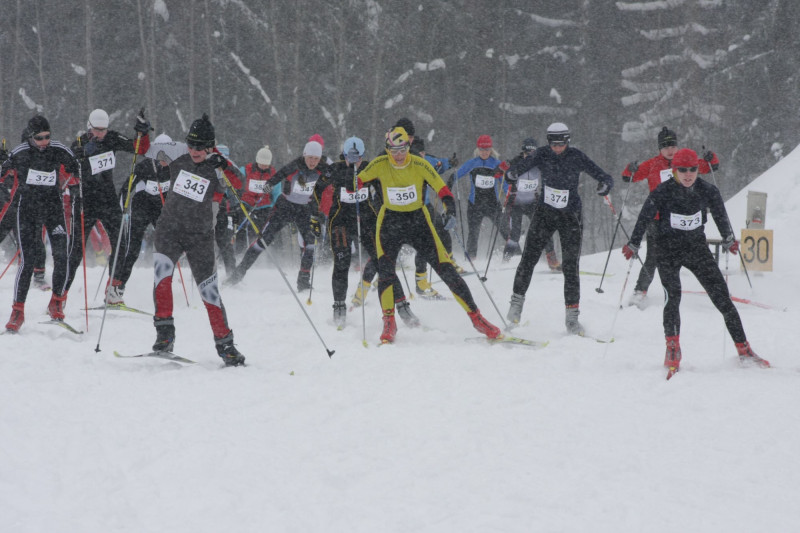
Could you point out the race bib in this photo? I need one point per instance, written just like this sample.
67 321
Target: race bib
556 197
37 177
402 195
191 186
484 182
152 187
686 222
349 197
101 162
665 175
303 190
527 185
256 186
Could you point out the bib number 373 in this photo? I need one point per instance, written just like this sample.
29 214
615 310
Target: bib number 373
191 186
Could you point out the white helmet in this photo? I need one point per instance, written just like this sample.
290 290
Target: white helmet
97 119
558 132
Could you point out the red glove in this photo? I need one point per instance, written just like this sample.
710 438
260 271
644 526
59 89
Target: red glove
630 251
734 247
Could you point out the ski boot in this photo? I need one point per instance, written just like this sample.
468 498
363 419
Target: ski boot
515 311
303 280
553 262
114 291
389 328
483 325
639 299
165 334
17 317
38 280
339 314
511 249
409 318
748 357
571 321
672 359
361 294
56 306
228 352
424 287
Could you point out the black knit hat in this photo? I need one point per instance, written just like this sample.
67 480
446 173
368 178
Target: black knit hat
417 145
529 144
406 124
201 133
667 137
38 124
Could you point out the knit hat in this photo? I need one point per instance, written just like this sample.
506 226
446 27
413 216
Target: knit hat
201 133
667 137
264 156
484 141
685 157
406 124
312 149
97 119
397 137
38 124
529 144
417 145
317 138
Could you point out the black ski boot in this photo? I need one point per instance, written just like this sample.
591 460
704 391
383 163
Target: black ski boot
339 314
165 334
303 281
228 352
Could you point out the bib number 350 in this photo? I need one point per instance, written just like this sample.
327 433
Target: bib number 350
402 195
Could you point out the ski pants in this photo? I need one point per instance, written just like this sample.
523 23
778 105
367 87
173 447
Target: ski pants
699 260
514 223
414 228
199 249
546 221
145 210
29 221
419 261
475 214
650 264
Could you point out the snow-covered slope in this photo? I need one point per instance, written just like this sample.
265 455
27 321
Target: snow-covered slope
431 434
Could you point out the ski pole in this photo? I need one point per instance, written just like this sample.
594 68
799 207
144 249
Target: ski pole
730 226
83 241
358 230
619 305
496 231
313 269
125 213
613 237
276 264
483 284
408 287
10 263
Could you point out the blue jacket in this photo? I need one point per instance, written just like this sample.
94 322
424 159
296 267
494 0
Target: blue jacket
484 167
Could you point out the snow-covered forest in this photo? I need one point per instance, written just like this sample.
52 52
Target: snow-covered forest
721 74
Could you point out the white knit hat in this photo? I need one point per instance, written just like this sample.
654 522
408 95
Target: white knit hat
313 148
264 156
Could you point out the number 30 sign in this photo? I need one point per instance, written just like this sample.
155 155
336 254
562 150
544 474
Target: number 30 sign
756 249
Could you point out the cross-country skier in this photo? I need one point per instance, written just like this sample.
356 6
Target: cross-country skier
681 204
559 210
404 219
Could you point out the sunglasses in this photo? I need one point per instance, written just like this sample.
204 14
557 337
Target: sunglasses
686 169
558 143
41 137
196 146
95 128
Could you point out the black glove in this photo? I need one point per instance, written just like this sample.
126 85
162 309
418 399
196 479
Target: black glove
267 188
633 166
217 161
603 188
453 161
3 156
79 152
142 125
449 217
708 156
626 179
316 225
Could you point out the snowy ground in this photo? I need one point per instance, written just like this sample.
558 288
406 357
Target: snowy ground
431 434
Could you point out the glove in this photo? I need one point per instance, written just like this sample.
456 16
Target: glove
603 188
142 125
352 156
316 225
632 167
626 179
453 161
79 152
3 156
708 156
729 244
217 161
449 221
630 251
267 188
502 167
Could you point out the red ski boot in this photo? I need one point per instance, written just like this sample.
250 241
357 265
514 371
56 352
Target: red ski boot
17 317
483 325
748 357
56 306
672 360
389 328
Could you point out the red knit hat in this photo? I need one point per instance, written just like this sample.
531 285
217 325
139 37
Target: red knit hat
484 141
684 157
317 138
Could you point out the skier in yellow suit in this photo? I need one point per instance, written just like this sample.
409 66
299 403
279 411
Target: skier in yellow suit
404 219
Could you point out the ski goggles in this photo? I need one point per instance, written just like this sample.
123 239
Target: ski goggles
686 169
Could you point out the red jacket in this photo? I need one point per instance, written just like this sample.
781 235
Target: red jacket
658 170
254 180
